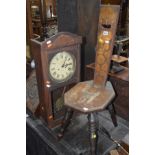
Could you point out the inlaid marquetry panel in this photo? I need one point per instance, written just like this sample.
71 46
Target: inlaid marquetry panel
108 19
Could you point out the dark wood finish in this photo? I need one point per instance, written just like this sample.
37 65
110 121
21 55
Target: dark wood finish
91 96
112 2
86 98
39 22
54 10
65 123
123 18
29 29
106 35
43 51
28 22
80 17
112 112
92 133
121 86
37 27
43 18
123 75
42 5
120 82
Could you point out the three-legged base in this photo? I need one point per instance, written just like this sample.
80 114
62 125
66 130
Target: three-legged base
92 123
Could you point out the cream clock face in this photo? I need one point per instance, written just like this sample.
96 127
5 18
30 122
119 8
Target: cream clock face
62 66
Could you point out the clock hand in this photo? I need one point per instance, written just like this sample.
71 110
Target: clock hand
64 63
67 65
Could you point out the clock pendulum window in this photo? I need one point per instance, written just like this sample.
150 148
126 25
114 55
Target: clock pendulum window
57 61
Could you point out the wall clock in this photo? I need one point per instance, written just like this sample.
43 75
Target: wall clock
57 61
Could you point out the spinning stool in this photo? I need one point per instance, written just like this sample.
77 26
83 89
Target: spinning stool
88 97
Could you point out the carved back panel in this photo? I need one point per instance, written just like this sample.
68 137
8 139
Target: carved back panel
108 19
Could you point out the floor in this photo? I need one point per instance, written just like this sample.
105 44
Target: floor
76 139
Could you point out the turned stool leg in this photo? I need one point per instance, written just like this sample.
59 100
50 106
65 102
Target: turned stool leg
113 114
93 133
65 123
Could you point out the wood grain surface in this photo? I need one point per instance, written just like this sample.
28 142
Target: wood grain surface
108 19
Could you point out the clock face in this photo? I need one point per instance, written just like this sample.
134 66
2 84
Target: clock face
62 66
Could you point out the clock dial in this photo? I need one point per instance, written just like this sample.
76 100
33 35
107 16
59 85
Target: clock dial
62 66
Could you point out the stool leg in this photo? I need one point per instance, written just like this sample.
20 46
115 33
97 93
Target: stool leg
113 114
93 133
65 123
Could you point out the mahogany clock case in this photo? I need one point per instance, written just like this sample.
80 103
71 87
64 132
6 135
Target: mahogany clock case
51 107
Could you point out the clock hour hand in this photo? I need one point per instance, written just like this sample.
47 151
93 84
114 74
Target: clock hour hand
67 65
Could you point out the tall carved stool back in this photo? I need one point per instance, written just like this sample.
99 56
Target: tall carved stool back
95 95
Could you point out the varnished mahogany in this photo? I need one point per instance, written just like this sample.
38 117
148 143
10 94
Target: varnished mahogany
43 51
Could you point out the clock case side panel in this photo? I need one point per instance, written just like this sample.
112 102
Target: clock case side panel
44 109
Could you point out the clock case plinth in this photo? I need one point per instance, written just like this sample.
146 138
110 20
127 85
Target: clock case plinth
43 51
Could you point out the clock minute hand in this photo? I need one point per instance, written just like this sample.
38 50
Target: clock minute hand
64 63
